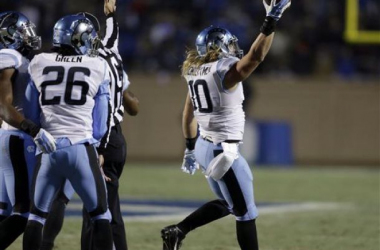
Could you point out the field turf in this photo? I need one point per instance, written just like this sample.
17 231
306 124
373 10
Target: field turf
353 223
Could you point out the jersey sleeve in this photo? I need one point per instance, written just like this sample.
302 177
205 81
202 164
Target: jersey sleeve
32 109
224 65
111 38
101 110
10 59
126 81
102 113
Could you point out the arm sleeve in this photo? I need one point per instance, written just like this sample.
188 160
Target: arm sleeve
126 81
32 109
111 38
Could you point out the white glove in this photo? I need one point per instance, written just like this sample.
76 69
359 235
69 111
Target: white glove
275 10
45 142
189 164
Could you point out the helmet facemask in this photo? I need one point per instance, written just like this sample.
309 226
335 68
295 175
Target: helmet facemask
29 36
85 39
15 36
234 48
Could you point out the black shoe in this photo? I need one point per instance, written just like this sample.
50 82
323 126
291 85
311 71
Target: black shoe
172 237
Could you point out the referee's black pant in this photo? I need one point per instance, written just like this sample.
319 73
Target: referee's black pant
114 160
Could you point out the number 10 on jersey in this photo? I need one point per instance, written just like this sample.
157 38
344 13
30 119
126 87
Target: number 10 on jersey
200 96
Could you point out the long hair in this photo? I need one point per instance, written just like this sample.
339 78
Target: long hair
193 60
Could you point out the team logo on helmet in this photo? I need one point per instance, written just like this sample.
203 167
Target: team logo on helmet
17 32
213 38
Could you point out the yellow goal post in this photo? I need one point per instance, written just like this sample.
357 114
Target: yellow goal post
352 32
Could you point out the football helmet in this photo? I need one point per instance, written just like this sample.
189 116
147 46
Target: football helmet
93 19
219 38
77 32
18 32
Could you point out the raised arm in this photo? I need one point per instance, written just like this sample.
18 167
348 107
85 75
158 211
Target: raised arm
260 47
111 38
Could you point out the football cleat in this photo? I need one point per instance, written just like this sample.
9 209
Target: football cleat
172 237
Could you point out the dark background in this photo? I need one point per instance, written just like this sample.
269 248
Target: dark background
154 33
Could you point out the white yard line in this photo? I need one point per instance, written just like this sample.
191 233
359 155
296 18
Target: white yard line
177 213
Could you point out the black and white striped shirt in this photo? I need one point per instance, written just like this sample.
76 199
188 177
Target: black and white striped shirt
119 79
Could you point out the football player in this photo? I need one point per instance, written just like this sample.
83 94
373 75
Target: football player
69 96
17 159
115 152
214 72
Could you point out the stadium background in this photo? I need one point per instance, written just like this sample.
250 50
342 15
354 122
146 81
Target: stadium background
313 106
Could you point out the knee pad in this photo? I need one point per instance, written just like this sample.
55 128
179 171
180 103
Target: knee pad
246 213
38 215
222 163
35 217
104 216
25 215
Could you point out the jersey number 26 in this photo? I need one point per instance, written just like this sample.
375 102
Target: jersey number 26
70 83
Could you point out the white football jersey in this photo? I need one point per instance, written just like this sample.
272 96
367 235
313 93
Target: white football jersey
10 58
67 87
219 112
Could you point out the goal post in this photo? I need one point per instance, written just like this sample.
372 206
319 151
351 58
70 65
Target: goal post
352 32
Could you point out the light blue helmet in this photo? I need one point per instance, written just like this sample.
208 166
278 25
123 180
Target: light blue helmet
218 38
17 32
77 32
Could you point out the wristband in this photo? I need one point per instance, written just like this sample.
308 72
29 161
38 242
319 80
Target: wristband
190 143
268 26
29 127
111 14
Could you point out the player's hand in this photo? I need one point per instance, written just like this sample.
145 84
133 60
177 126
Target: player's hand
101 160
109 6
101 163
275 10
106 178
189 164
45 142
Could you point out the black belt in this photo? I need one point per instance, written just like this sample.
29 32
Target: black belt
227 141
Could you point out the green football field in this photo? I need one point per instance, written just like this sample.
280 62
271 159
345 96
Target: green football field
326 209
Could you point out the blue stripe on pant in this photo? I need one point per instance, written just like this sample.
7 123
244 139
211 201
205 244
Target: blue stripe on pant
78 164
236 186
17 162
